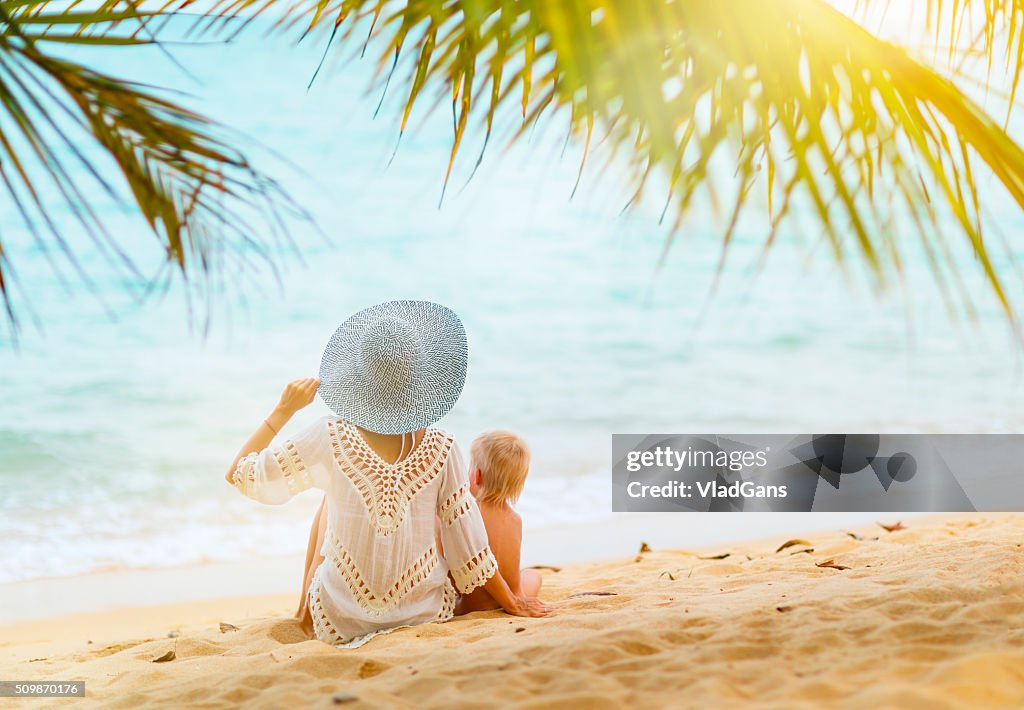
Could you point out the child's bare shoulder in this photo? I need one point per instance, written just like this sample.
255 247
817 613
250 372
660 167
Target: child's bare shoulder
503 517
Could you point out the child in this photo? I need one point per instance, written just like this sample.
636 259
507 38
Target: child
500 461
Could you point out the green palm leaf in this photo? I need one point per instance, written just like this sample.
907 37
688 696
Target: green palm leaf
809 109
190 185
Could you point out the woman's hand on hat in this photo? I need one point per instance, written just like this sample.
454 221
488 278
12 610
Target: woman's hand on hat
298 394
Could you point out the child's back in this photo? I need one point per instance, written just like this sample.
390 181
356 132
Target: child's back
500 462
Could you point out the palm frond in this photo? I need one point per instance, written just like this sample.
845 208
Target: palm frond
193 189
963 31
809 109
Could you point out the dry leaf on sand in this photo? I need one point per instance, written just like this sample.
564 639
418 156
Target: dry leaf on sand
592 594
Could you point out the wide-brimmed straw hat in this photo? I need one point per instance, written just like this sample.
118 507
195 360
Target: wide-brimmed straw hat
395 367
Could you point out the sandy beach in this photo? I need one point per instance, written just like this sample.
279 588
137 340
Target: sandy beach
931 615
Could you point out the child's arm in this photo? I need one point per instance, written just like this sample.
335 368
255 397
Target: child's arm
513 603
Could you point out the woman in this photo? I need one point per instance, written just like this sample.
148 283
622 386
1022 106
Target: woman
389 373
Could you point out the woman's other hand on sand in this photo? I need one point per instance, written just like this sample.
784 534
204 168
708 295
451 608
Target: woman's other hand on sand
298 394
530 606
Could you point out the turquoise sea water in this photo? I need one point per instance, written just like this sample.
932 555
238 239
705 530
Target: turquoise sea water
115 432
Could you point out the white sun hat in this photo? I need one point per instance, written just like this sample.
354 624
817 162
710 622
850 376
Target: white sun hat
395 367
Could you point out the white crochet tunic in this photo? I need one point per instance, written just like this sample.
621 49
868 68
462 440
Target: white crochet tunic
382 568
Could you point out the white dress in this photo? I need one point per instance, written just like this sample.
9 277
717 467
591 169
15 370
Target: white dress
382 568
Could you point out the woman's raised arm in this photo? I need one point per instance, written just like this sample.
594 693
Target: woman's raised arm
296 395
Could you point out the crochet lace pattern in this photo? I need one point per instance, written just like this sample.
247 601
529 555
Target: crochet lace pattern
387 489
451 598
322 626
293 469
455 506
374 603
325 631
244 474
476 571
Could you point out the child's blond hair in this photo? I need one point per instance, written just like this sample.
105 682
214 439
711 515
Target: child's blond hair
504 460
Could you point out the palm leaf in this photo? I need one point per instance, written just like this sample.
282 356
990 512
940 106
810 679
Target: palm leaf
807 109
191 187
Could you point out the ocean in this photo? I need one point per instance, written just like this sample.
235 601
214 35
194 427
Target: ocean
119 413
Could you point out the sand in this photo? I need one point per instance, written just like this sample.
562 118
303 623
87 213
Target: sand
929 616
